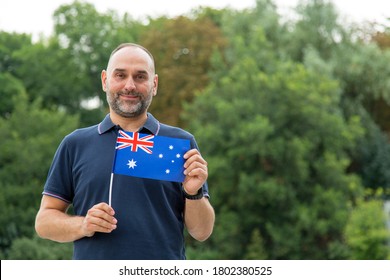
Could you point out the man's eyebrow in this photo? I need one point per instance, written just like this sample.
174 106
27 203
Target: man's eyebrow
142 72
119 70
124 70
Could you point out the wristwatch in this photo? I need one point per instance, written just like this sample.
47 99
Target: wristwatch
197 196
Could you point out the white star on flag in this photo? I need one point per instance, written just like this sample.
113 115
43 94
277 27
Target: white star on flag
132 163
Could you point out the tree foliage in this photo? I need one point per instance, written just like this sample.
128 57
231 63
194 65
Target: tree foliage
285 154
292 116
28 137
183 61
366 237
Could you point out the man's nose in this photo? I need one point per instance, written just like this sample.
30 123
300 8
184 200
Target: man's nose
130 85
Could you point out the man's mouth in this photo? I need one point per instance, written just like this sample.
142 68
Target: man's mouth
129 96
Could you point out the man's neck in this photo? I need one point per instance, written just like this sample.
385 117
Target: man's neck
129 124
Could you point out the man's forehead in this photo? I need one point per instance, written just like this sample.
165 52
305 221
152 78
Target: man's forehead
129 56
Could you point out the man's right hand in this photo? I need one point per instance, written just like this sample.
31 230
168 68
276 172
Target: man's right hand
100 218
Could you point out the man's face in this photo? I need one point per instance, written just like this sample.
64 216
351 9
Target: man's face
129 82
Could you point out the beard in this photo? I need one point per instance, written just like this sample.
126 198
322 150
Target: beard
128 108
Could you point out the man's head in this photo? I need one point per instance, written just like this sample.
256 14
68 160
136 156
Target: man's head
130 81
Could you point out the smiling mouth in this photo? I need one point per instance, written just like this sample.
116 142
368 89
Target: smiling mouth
129 96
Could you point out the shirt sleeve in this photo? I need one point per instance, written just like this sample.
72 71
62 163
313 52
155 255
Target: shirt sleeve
59 183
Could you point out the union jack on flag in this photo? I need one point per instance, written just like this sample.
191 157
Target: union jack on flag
150 156
125 140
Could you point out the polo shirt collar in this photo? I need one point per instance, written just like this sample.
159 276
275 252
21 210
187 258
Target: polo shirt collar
152 125
105 125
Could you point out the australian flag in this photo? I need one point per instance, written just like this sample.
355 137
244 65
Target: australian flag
150 156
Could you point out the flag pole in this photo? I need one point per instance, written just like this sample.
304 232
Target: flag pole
110 190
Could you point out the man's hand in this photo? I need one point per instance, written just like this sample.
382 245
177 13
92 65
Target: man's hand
195 171
100 218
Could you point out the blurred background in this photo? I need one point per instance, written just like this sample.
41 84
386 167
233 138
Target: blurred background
290 109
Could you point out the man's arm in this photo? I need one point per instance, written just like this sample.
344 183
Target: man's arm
199 218
199 215
52 222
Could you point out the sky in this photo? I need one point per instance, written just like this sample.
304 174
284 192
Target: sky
35 16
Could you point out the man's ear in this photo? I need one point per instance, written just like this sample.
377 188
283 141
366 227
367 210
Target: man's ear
155 85
104 80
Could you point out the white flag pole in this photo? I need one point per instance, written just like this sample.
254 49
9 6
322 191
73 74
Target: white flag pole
110 191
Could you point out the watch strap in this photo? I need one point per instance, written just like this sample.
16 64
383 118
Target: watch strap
196 196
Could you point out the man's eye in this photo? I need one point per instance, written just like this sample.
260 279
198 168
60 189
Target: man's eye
141 77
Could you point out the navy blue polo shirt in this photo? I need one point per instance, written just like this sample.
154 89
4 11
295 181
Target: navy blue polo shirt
149 212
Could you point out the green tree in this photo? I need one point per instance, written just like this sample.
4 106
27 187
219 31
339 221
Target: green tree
10 86
364 75
322 41
183 61
284 146
318 26
366 232
9 42
56 80
255 250
39 249
278 148
29 137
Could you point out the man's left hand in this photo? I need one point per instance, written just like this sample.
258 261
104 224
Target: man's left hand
195 171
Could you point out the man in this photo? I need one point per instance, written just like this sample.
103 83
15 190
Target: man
147 217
